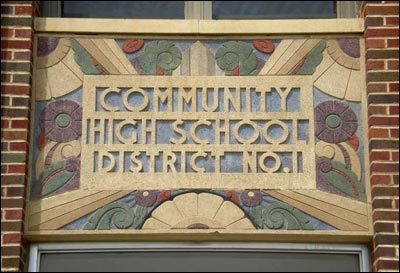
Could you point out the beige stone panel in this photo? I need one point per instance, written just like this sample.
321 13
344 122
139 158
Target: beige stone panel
46 215
188 222
340 56
353 91
287 55
98 201
47 61
103 47
343 213
325 64
42 87
229 213
112 44
55 56
218 71
115 55
152 223
69 61
58 200
96 53
187 204
61 80
337 200
179 69
356 65
184 68
351 63
298 56
201 60
334 81
209 204
168 213
197 61
276 55
327 217
241 224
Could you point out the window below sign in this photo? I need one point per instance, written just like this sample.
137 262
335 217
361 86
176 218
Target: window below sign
192 257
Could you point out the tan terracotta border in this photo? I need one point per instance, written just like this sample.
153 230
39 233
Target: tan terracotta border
202 27
201 235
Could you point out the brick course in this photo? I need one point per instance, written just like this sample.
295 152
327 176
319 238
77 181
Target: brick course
16 64
382 70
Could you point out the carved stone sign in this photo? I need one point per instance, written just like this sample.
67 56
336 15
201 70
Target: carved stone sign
181 132
148 137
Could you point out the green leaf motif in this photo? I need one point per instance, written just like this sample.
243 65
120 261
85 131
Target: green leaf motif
236 54
119 214
280 216
52 179
314 58
160 54
82 58
345 181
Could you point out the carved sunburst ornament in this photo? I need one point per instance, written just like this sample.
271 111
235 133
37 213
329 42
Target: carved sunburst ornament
51 50
194 211
339 73
55 58
345 52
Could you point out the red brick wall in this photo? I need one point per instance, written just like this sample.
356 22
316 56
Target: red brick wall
382 57
16 76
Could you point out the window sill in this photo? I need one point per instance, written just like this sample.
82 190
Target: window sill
199 27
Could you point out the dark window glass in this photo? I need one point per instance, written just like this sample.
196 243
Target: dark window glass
192 261
124 9
273 9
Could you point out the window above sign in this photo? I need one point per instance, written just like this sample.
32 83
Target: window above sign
124 9
273 9
218 10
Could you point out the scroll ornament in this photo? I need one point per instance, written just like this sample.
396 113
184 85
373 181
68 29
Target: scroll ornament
280 216
160 58
118 214
236 59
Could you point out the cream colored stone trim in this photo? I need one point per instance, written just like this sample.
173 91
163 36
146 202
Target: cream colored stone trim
203 27
200 235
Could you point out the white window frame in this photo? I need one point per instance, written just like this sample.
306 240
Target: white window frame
352 249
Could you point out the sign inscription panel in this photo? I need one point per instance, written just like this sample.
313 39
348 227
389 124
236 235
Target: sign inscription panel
181 132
